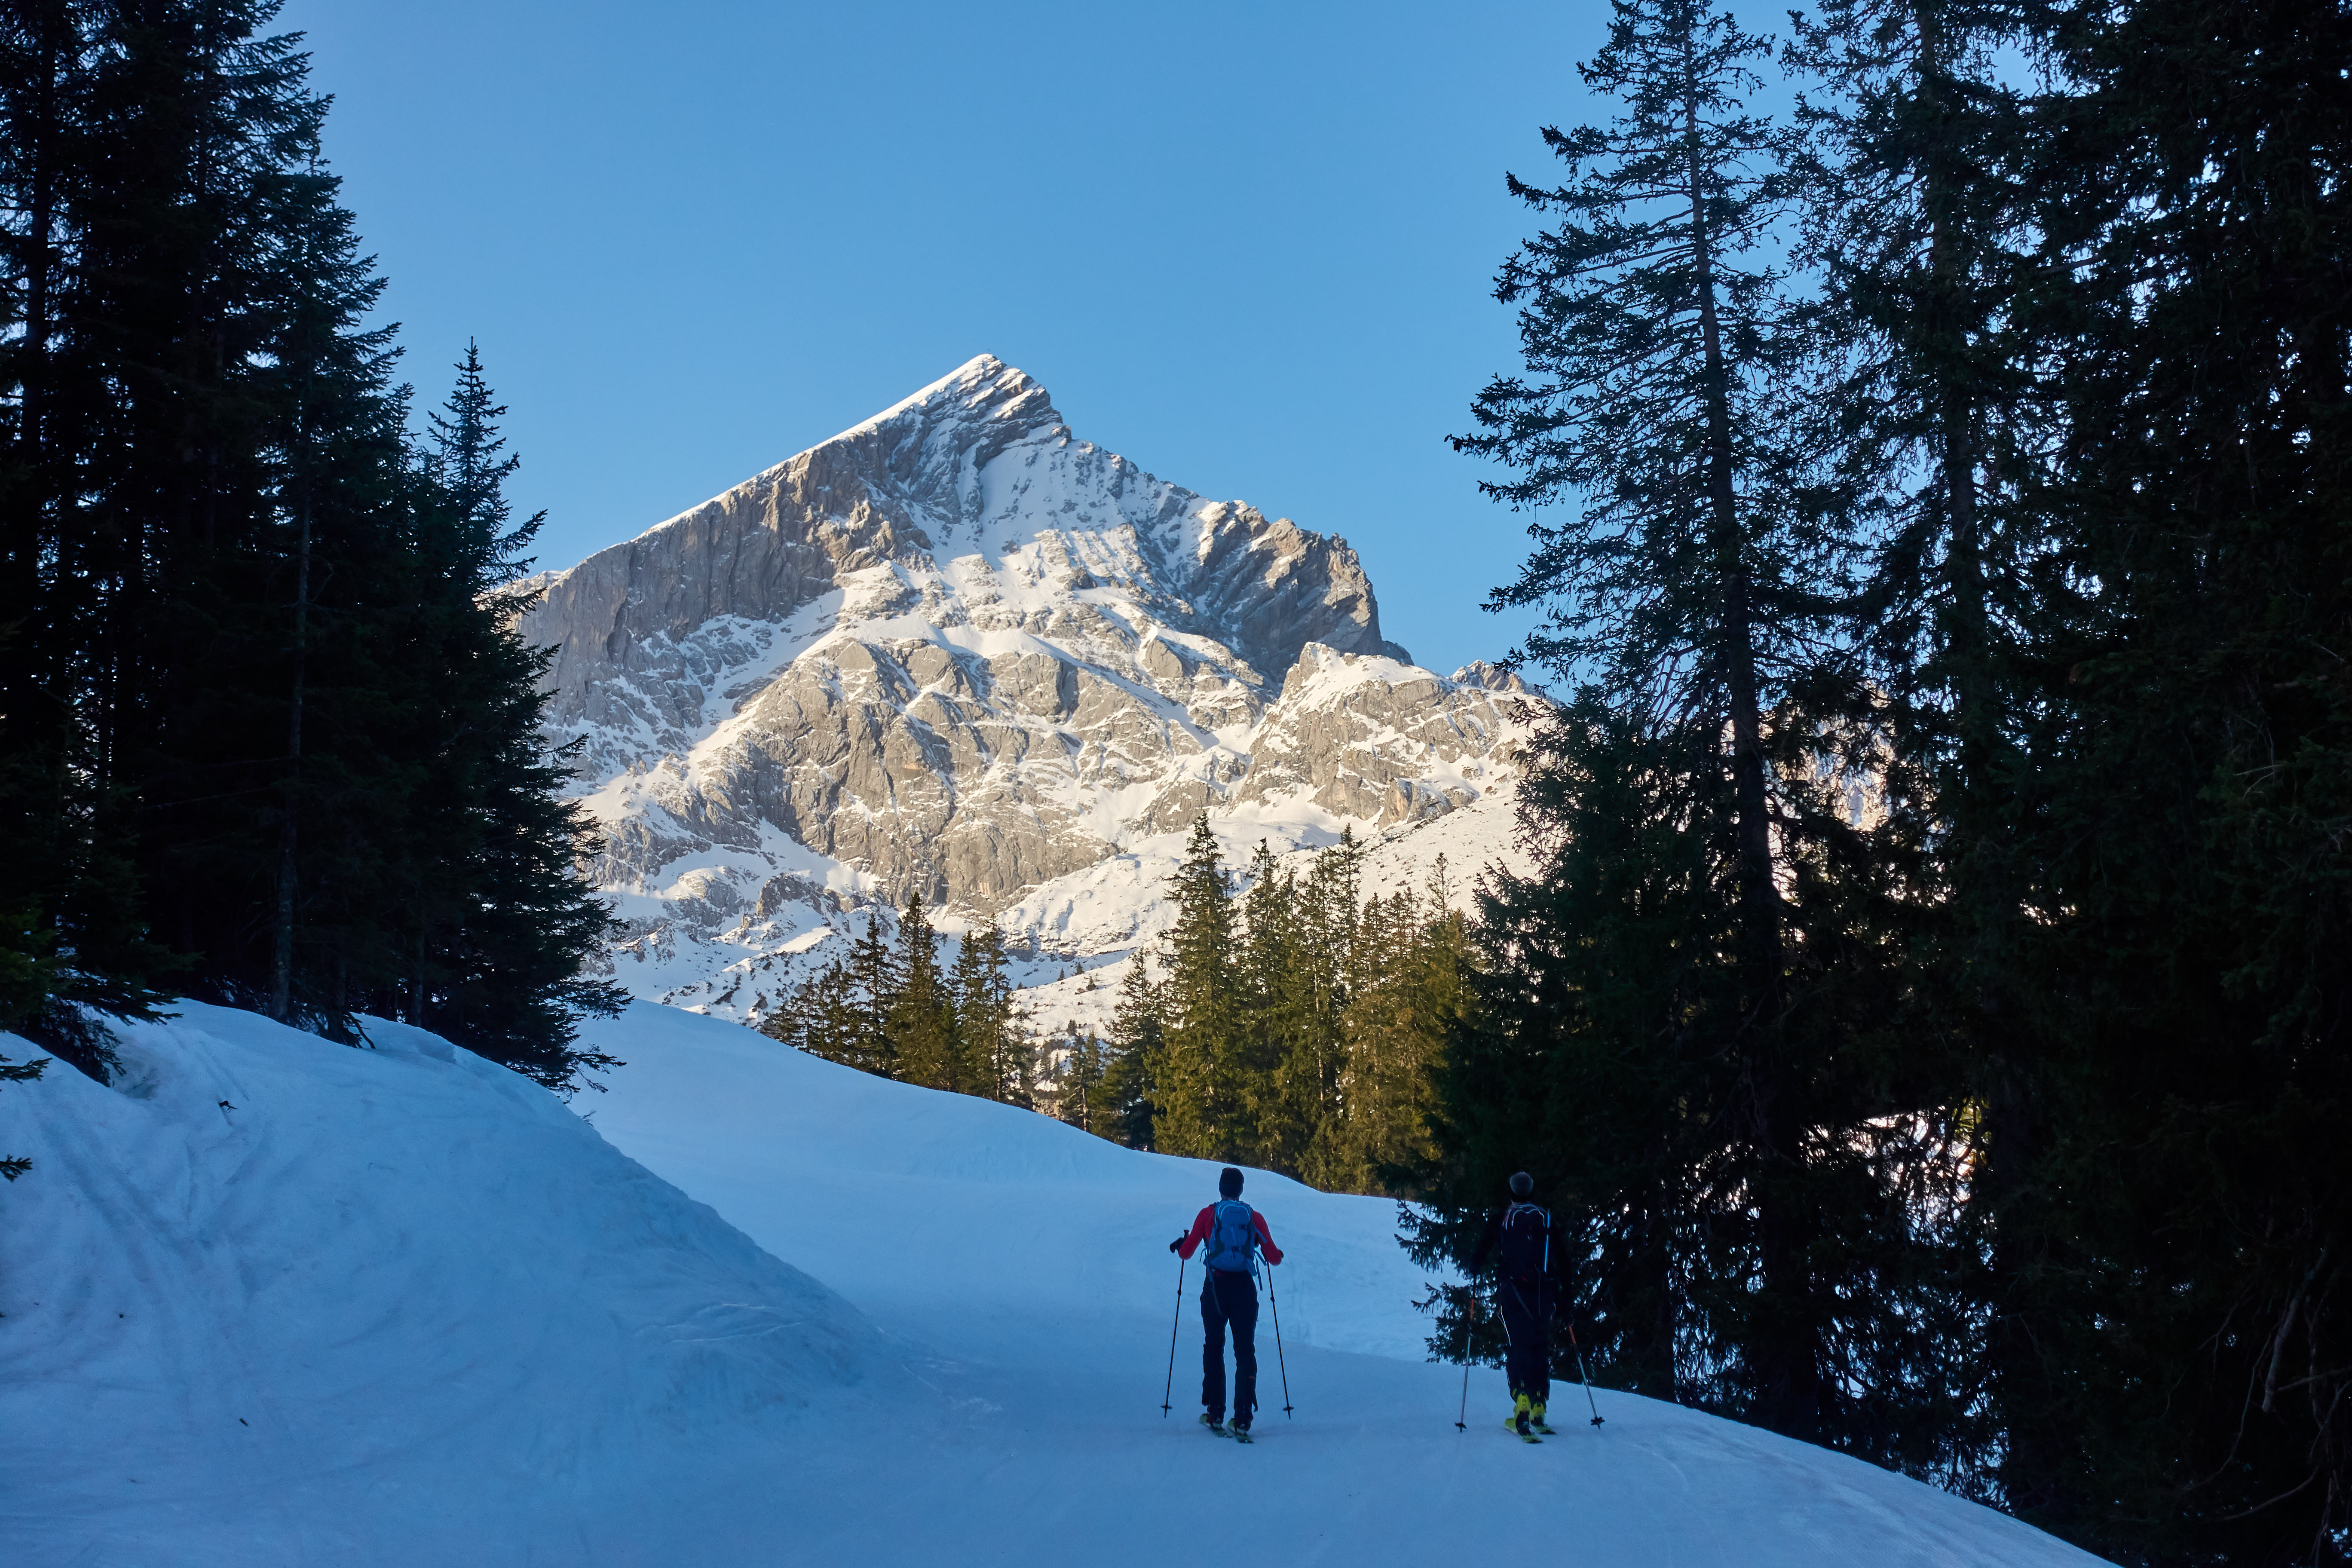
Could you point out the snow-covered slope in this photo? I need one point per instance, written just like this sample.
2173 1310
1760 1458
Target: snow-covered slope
271 1300
399 1308
956 650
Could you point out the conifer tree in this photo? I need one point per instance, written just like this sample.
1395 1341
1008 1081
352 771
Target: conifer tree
1137 1047
2190 1326
1407 1003
1002 1061
1078 1083
1690 602
822 1015
230 631
1313 1075
920 1019
1270 1117
72 928
874 981
1919 222
496 914
1198 1093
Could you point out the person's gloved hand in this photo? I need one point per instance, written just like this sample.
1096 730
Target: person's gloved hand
1175 1244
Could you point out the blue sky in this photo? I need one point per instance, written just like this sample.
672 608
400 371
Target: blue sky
1248 246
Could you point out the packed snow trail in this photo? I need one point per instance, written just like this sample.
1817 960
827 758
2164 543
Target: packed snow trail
1032 1260
398 1307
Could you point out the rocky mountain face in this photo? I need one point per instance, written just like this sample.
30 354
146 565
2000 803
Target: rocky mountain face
956 650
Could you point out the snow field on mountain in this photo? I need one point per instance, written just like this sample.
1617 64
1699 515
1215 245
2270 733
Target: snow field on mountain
399 1307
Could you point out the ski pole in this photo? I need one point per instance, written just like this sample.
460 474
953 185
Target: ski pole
1278 1340
1469 1306
1582 1375
1169 1393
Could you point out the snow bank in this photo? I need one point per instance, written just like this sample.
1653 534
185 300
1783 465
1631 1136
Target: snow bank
270 1299
953 1219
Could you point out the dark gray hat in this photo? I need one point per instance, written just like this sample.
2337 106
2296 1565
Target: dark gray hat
1522 1184
1229 1182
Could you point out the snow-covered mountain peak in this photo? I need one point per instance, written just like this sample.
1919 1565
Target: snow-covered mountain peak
958 650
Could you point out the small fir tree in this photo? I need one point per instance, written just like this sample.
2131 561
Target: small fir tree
1199 1098
920 1021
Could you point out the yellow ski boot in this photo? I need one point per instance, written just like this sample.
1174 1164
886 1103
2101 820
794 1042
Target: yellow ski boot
1536 1419
1521 1412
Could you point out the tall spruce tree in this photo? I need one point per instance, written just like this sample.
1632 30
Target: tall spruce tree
1274 1109
72 924
1406 1004
2192 1331
921 1017
226 626
1312 1077
1918 164
1078 1083
1199 1098
1690 601
874 981
1005 1062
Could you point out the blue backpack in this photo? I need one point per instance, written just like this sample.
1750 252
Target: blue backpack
1233 1239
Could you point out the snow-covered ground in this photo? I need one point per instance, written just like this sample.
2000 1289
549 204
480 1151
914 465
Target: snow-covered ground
399 1307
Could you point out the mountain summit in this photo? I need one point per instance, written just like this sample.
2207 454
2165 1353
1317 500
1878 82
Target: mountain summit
956 650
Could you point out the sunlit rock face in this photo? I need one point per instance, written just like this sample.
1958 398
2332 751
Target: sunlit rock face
958 651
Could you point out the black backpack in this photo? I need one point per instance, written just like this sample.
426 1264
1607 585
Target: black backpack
1526 1242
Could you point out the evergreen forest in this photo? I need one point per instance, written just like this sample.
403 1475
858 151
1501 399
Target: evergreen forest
267 735
1284 1021
1929 1018
1290 1022
894 1010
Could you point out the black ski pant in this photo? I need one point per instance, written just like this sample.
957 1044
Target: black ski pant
1527 1307
1229 1298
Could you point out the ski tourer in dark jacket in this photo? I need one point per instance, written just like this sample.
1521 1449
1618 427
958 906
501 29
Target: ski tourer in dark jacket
1236 1237
1530 1280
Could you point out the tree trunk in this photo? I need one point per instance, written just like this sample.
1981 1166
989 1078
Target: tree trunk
1783 1353
281 968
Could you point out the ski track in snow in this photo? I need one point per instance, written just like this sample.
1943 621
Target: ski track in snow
400 1307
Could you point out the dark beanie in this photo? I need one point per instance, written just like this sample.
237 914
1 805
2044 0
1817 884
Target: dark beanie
1522 1184
1229 1182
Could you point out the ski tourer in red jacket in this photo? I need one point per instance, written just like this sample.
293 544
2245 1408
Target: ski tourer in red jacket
1236 1237
1204 1224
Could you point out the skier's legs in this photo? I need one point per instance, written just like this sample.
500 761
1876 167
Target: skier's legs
1212 1349
1238 1294
1540 1375
1528 1358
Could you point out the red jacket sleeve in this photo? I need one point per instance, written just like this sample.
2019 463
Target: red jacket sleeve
1265 1236
1201 1222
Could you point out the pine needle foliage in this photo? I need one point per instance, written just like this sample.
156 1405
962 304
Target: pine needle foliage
15 1165
1311 1049
1928 1017
891 1009
267 735
1687 1023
